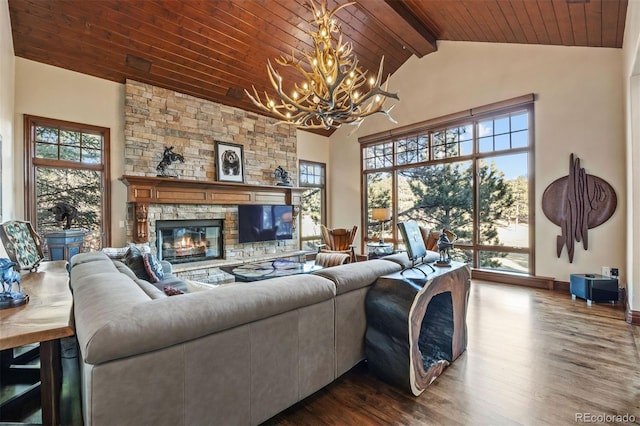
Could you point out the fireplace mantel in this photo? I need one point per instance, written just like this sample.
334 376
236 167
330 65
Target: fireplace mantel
145 190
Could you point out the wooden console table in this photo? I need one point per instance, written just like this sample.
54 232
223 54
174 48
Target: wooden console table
46 318
416 326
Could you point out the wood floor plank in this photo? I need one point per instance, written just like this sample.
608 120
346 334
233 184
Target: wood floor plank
534 357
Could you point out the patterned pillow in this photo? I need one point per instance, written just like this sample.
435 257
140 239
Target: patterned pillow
20 244
153 267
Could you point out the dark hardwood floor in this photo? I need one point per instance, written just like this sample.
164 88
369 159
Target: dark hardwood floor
534 357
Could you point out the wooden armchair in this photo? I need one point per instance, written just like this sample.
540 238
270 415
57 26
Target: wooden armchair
431 238
339 240
22 244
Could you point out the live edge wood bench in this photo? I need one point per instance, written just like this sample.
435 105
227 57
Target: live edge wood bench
416 325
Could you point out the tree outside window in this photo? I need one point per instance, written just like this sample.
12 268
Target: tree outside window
68 163
470 176
312 214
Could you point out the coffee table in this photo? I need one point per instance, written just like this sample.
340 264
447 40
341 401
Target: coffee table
45 319
269 269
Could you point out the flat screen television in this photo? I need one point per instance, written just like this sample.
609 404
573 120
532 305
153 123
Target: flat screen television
264 222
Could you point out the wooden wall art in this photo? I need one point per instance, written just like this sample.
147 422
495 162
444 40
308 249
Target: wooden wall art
576 203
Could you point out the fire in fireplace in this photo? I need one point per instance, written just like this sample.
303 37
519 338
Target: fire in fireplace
180 241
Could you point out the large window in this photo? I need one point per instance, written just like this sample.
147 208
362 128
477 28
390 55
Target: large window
68 162
312 214
470 175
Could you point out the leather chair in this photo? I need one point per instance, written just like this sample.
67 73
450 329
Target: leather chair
431 238
338 240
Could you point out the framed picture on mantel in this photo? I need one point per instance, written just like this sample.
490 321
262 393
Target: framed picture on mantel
229 162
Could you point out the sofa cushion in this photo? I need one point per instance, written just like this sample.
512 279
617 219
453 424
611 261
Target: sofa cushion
151 290
125 326
358 274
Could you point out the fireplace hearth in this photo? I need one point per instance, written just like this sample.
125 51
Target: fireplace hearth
181 241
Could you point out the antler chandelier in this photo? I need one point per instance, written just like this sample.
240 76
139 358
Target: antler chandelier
334 90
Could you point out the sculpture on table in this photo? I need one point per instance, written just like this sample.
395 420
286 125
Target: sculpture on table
8 297
168 158
283 176
443 249
64 212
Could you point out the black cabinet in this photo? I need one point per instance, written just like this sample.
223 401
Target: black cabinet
594 288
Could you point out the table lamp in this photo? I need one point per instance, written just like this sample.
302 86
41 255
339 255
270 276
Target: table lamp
381 215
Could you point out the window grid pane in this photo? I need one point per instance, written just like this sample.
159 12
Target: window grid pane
69 145
438 192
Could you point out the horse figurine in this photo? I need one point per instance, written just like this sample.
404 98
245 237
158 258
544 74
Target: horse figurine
168 157
9 276
443 248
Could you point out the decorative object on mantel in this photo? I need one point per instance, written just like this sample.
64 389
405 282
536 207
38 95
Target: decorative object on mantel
168 157
333 90
282 176
444 245
229 162
8 297
576 203
64 212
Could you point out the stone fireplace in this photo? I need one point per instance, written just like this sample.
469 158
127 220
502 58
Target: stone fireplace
188 240
156 118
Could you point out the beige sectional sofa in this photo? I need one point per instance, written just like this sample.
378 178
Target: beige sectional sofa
233 355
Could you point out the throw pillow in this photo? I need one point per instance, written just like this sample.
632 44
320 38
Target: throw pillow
153 267
172 291
133 259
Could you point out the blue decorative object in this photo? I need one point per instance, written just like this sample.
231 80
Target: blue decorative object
8 297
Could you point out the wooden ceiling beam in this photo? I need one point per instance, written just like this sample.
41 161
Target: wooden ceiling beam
396 19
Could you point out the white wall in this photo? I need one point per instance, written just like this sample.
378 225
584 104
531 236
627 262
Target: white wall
313 147
53 92
7 80
631 79
579 109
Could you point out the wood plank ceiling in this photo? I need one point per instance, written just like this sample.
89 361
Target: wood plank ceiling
214 49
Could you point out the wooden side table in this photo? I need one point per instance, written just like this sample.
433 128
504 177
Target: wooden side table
45 319
416 325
